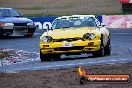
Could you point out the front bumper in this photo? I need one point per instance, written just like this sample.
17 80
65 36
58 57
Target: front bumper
78 47
14 30
5 31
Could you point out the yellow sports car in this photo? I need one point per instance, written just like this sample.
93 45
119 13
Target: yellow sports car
74 35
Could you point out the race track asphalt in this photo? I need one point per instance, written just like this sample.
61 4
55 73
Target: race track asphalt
121 42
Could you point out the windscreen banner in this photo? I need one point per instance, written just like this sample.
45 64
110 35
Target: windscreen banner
118 21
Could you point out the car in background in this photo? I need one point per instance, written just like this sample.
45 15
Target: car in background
74 35
13 23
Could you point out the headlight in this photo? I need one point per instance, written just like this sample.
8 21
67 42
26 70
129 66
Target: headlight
9 24
31 23
89 36
6 24
2 24
47 39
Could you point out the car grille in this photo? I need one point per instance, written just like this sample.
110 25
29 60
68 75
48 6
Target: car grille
68 39
20 24
69 48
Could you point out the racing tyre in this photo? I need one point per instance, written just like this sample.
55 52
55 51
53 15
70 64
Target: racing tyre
100 52
107 49
44 57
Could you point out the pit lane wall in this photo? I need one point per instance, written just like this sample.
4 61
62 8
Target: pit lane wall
111 21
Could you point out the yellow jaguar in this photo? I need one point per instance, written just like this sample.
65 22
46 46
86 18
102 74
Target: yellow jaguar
74 35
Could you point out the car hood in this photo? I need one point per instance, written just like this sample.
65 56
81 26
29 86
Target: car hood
15 20
70 32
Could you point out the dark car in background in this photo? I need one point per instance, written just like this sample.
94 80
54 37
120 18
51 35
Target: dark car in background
13 23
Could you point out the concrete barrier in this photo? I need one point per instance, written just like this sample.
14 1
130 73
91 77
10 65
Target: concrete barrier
44 22
118 21
111 21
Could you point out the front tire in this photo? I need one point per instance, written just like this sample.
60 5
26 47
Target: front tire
44 57
100 52
48 57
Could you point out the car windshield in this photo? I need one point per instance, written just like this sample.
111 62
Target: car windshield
9 13
72 22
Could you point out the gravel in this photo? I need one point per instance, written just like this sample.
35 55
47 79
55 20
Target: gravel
64 78
17 56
